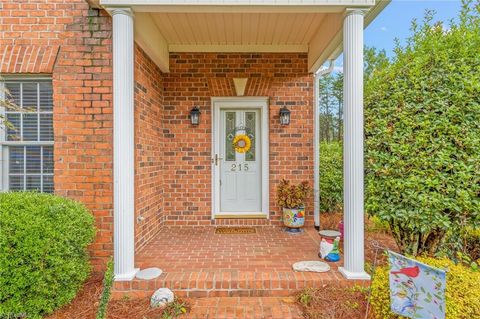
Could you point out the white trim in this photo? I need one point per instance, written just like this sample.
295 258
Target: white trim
244 6
3 150
258 48
260 103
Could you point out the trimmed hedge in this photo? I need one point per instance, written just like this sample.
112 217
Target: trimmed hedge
43 252
331 177
462 291
422 115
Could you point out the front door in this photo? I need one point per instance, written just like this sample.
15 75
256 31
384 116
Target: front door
240 161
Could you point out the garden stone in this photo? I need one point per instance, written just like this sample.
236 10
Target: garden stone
311 265
330 234
149 273
161 298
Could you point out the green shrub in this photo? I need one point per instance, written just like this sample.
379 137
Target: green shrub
43 252
422 134
331 177
462 291
107 291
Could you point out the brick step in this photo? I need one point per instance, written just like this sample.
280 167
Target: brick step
243 307
230 283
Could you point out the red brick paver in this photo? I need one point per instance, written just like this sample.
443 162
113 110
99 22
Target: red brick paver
244 308
200 249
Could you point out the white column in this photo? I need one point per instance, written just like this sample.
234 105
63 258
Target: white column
353 146
123 144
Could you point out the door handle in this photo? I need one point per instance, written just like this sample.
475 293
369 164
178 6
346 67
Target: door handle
217 158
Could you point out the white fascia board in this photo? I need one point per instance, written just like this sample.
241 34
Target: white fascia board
259 6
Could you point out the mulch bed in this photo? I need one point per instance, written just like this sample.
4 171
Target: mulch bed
333 302
86 303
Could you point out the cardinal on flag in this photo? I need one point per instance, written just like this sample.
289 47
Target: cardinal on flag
416 290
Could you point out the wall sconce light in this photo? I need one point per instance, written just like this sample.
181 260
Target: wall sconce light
195 115
284 116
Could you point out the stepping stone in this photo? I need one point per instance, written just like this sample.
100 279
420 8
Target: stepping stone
161 298
149 273
330 234
311 265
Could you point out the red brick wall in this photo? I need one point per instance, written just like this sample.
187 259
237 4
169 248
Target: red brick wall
193 79
173 184
149 146
73 44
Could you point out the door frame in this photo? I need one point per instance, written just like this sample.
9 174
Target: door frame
254 102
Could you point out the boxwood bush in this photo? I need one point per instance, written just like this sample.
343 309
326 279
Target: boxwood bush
331 176
462 291
43 252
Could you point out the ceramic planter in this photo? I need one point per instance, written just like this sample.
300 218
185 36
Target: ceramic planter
294 217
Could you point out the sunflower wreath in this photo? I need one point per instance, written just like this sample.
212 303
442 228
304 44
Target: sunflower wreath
242 143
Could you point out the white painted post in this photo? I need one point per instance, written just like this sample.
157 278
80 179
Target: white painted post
353 146
123 144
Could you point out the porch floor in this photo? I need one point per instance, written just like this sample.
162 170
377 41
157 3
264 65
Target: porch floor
199 263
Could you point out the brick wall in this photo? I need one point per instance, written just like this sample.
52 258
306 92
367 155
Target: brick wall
72 43
173 183
148 148
193 79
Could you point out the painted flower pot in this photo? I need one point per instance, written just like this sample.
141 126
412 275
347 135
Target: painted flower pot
294 217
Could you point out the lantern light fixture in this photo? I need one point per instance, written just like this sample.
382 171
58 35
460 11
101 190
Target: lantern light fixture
284 116
195 115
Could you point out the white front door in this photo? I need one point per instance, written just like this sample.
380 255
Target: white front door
240 169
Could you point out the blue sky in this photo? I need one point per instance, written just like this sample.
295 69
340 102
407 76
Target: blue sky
395 20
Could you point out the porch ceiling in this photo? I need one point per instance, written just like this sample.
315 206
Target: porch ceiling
310 26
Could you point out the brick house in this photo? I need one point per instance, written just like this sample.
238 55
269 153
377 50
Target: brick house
113 84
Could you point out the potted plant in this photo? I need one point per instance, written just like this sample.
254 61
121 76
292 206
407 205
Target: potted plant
292 198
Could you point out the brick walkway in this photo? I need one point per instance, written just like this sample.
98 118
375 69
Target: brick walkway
244 308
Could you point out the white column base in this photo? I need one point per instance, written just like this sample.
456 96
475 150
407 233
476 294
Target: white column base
354 275
127 276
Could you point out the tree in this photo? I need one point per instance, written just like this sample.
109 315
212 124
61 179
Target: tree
422 115
7 104
373 60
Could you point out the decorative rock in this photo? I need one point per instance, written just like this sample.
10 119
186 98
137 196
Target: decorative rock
161 298
311 265
149 273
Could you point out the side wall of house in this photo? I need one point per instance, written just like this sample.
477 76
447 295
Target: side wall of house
149 148
73 44
196 77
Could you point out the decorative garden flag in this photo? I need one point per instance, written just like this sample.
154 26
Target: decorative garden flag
416 290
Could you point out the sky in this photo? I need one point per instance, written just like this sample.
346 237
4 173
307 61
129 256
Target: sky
395 20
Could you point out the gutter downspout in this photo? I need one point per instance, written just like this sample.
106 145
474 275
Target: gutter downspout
316 142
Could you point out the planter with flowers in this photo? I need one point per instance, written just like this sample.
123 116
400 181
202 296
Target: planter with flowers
292 197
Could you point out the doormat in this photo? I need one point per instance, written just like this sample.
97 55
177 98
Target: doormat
235 230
